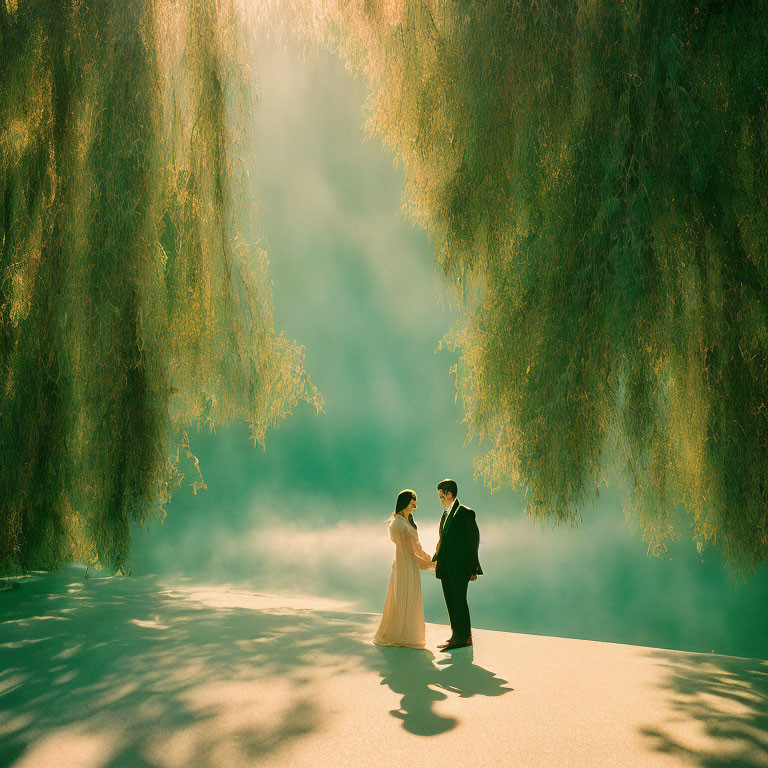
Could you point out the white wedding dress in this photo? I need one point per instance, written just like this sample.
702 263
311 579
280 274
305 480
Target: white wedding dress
403 620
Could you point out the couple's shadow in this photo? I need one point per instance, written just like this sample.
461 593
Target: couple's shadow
415 676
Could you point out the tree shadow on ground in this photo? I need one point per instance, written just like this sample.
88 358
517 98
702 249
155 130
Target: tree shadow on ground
414 675
726 698
127 672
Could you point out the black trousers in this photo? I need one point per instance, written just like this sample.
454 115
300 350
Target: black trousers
455 593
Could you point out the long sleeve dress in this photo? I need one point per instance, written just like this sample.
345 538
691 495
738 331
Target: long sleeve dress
402 622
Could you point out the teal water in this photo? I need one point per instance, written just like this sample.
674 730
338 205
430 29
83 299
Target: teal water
355 283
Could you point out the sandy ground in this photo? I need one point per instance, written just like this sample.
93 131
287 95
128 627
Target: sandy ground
132 672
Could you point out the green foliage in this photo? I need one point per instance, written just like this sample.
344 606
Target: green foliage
595 179
133 302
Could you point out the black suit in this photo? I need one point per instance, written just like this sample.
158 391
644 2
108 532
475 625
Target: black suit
457 560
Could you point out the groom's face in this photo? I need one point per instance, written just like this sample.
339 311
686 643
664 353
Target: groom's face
445 498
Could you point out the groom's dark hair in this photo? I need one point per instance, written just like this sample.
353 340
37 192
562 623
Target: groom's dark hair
448 486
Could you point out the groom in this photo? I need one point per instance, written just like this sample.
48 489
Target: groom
457 562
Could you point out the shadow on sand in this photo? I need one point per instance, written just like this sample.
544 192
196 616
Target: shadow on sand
726 699
414 675
122 671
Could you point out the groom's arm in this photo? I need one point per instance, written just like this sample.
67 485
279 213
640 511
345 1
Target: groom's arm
473 545
439 537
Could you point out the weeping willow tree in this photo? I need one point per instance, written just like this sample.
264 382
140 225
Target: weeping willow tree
595 180
134 298
593 176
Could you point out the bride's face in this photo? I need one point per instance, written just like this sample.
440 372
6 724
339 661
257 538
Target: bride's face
410 507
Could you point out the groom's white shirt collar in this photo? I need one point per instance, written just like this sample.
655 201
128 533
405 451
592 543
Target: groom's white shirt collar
450 506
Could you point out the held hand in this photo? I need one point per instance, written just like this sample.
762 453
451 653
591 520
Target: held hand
473 577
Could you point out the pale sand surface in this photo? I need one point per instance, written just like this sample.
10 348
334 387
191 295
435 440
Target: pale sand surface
132 672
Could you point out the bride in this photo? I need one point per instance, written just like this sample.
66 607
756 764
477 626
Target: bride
403 620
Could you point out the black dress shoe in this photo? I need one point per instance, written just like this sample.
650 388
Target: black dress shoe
451 646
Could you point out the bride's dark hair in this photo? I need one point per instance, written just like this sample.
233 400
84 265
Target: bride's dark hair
404 498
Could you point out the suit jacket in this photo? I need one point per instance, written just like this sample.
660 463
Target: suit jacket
456 554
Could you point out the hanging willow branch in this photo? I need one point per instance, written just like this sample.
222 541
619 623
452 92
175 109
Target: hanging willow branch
595 179
133 302
593 176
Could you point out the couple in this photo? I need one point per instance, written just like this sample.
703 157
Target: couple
455 562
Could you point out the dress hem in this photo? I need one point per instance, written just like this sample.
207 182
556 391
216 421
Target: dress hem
401 645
